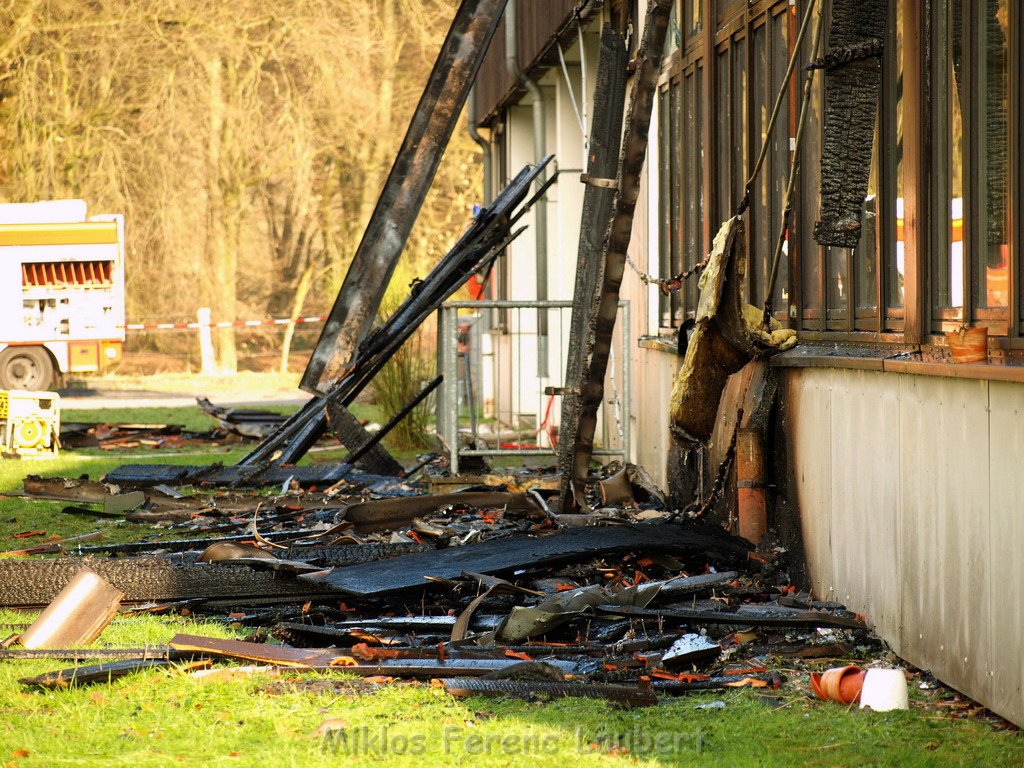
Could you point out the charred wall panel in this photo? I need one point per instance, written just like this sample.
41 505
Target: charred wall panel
852 85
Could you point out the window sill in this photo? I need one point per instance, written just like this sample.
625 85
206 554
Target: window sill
661 343
887 359
892 361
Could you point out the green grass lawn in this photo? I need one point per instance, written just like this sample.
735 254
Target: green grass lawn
158 718
23 515
167 717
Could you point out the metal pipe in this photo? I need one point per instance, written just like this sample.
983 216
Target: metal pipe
484 144
627 382
539 150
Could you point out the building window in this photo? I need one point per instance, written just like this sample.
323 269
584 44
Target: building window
972 121
693 18
669 185
772 38
681 202
892 223
842 289
726 9
992 279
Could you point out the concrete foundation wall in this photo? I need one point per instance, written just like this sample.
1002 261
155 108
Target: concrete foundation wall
911 497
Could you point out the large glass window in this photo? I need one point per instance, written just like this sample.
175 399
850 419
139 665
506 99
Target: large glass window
693 178
843 289
666 212
682 110
693 18
972 164
721 177
831 289
669 193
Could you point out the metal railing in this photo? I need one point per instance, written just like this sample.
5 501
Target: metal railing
494 402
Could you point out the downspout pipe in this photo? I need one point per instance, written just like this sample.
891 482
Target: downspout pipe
539 152
484 145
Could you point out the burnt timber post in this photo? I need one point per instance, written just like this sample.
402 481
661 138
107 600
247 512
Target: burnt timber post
616 242
386 233
853 81
602 161
404 191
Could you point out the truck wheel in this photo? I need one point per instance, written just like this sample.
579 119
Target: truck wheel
29 368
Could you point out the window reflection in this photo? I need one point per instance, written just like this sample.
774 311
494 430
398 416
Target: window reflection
993 266
953 296
894 278
693 13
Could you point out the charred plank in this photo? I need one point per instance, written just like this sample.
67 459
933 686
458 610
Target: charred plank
503 555
143 579
95 673
404 191
619 694
605 140
852 86
748 616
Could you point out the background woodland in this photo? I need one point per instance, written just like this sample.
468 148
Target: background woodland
245 142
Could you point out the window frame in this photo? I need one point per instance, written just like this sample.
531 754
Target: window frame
919 320
943 318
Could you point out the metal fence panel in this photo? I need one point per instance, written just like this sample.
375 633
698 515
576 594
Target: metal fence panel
494 402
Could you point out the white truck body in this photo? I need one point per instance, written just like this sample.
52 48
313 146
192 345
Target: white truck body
61 292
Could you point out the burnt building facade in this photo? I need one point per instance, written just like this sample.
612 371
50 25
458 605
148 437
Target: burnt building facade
898 468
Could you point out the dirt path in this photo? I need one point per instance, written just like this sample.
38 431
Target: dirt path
164 391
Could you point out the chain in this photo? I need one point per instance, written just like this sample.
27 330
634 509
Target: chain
671 284
697 508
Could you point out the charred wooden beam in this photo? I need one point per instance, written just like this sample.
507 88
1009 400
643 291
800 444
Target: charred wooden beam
361 453
489 235
750 615
95 673
188 545
623 695
616 242
144 579
386 514
264 653
76 655
322 475
366 450
605 141
771 680
852 85
404 191
337 659
352 554
502 555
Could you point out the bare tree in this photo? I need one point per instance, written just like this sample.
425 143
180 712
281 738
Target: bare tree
246 145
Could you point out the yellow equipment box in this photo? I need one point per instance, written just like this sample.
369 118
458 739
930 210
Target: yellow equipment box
29 423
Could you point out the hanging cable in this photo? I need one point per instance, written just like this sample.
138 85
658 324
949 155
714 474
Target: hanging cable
572 100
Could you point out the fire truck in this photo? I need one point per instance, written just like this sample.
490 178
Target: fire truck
62 286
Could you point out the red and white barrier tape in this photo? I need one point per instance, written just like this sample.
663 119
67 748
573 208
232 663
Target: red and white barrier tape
226 324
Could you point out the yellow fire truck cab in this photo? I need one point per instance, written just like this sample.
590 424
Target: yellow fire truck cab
62 280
